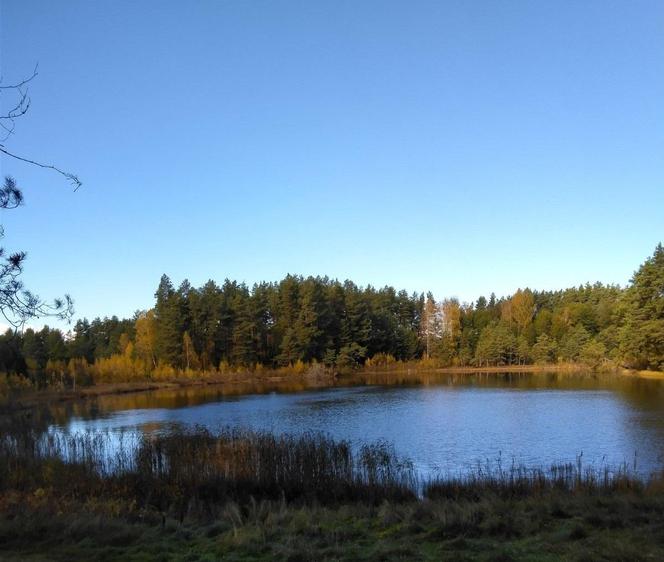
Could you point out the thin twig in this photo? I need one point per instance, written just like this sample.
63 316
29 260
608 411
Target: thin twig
23 82
70 177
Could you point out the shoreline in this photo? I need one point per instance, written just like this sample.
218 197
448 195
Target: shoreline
653 375
30 399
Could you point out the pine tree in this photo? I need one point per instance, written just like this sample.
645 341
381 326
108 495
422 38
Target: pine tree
309 329
287 313
168 316
245 328
642 336
34 350
356 322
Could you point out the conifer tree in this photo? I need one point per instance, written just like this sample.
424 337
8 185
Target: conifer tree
169 324
642 336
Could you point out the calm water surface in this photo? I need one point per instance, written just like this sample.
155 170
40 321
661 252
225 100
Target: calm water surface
443 423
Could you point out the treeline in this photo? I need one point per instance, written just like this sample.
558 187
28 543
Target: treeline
315 320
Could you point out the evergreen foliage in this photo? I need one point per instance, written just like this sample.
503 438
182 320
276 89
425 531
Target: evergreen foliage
300 321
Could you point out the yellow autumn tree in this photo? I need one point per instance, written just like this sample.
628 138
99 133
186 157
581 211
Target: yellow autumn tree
124 342
191 360
506 311
523 309
519 309
451 313
146 337
121 367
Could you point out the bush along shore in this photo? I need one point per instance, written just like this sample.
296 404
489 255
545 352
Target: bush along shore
240 495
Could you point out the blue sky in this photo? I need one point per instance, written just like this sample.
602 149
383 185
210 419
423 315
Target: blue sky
461 147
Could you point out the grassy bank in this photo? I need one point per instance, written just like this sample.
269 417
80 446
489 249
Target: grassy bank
554 527
243 496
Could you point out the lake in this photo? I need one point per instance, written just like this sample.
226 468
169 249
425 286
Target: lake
443 423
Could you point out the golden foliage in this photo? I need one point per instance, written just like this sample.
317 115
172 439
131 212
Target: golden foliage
122 367
520 309
380 360
299 367
146 337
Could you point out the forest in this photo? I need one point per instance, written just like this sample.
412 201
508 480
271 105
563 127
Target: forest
301 322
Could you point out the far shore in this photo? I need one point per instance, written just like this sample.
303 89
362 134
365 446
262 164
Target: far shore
644 374
28 399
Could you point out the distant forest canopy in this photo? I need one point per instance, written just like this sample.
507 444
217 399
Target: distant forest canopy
315 320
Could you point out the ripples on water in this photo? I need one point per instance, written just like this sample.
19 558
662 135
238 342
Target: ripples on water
445 424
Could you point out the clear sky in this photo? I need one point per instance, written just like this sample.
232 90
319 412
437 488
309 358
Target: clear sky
461 147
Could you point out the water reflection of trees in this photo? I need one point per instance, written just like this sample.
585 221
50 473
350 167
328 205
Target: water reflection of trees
643 395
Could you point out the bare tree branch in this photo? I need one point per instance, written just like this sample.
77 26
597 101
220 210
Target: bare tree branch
72 178
8 123
17 305
22 82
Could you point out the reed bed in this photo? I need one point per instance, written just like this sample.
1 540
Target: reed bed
519 481
198 471
204 468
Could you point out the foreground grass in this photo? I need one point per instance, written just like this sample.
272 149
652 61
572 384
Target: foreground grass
240 495
620 526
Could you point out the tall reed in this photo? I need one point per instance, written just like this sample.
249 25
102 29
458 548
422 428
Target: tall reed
197 471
